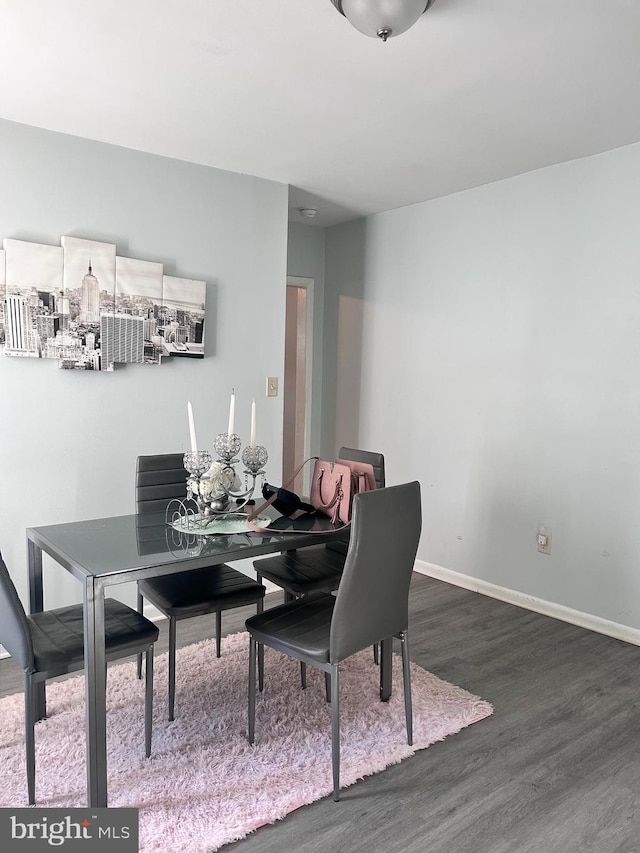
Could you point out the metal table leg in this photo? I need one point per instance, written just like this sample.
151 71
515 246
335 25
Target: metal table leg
95 693
36 605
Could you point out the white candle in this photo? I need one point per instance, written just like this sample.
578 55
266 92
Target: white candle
192 429
253 423
232 412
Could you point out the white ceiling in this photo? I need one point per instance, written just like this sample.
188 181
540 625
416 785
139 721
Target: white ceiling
476 91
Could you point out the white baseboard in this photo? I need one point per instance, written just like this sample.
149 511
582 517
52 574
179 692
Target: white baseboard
530 602
152 613
510 596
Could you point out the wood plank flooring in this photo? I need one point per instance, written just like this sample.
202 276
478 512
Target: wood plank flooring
556 769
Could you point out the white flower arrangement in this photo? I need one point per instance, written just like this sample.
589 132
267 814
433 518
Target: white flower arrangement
219 479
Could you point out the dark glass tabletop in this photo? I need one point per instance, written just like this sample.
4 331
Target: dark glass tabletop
122 544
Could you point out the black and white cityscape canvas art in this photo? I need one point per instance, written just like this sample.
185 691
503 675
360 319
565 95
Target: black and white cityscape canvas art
33 297
90 309
183 305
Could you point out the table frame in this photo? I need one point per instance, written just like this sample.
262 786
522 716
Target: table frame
94 585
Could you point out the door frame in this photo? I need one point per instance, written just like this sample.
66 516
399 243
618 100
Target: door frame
308 285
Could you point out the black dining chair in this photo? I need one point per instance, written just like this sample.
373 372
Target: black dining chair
51 643
212 589
371 604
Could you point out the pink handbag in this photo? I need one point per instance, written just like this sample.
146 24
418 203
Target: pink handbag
331 492
333 486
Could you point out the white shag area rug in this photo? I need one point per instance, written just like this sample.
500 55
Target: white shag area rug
204 785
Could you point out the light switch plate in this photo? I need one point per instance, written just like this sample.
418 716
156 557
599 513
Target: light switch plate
272 386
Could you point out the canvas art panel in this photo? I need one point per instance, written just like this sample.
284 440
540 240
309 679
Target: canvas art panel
138 306
33 297
89 280
2 295
183 316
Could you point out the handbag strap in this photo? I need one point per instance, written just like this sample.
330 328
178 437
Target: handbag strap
269 501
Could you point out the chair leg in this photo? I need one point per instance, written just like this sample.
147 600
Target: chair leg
406 678
29 736
172 667
335 729
386 665
261 667
39 692
252 690
139 656
259 609
260 604
376 656
148 701
218 631
327 686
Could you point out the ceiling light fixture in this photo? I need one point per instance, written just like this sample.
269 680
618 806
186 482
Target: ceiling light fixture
308 212
382 18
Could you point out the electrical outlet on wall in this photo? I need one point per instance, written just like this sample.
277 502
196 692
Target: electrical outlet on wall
544 540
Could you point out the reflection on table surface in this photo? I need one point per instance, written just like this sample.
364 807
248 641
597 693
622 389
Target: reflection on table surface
154 535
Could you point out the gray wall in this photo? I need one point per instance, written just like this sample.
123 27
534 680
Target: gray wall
69 440
489 344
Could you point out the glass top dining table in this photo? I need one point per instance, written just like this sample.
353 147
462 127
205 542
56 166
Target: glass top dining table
104 552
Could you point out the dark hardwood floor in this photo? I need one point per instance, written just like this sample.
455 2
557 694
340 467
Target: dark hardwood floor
555 769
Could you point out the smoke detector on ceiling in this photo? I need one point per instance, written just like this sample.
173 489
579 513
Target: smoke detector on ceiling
308 212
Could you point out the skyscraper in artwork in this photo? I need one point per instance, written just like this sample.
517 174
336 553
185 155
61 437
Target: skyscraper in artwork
90 298
122 339
21 337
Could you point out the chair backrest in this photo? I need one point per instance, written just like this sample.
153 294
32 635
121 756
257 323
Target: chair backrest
159 479
376 460
372 602
15 634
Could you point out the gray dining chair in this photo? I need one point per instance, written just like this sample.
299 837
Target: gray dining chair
160 479
371 604
51 643
319 567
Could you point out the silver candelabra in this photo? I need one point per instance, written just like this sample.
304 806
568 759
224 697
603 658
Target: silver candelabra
211 487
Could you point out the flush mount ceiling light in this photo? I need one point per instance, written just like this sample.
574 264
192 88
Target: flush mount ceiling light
382 18
308 212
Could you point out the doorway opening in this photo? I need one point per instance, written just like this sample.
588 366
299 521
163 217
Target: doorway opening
298 353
